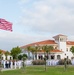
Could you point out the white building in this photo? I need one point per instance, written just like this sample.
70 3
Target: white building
3 57
61 47
9 57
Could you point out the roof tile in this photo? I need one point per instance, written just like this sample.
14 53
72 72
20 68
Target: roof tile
40 43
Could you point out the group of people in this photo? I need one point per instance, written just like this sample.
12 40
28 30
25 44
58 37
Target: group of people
52 62
11 64
7 64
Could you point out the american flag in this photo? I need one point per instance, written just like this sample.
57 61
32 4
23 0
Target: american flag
5 25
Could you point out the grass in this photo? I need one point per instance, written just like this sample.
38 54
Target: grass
39 70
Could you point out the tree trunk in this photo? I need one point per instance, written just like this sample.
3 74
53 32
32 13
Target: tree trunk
45 63
47 55
65 64
28 55
33 55
0 66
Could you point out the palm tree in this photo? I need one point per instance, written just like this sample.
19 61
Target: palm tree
37 48
33 51
29 50
47 50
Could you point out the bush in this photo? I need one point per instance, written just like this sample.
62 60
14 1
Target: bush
20 57
38 62
61 62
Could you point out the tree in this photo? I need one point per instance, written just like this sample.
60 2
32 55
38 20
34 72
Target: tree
65 64
29 50
36 49
72 49
66 60
0 54
32 49
6 54
47 50
20 57
15 52
0 60
24 57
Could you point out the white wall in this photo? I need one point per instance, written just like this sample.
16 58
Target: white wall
62 46
8 57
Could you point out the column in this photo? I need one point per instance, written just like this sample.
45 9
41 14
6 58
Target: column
11 65
4 62
15 64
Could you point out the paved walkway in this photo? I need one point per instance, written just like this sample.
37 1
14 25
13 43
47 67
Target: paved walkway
6 69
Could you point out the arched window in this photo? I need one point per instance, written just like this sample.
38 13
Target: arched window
52 56
40 57
58 57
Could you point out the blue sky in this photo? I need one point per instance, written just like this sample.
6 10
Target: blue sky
9 10
35 20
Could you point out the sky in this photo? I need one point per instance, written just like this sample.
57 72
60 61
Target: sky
35 20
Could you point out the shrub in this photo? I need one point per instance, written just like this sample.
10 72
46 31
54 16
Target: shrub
38 62
20 57
61 62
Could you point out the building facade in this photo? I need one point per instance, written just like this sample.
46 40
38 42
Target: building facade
61 48
4 57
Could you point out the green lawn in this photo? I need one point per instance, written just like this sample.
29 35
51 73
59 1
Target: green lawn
39 70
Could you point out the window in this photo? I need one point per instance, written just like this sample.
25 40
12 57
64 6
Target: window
58 57
52 56
61 39
67 57
56 47
67 49
40 57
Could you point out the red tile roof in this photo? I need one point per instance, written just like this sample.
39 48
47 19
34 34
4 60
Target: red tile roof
70 42
40 43
56 51
52 51
46 42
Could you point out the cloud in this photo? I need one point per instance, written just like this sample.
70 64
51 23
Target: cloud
23 1
55 16
40 20
8 40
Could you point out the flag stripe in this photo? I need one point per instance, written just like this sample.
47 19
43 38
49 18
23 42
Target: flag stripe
5 25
